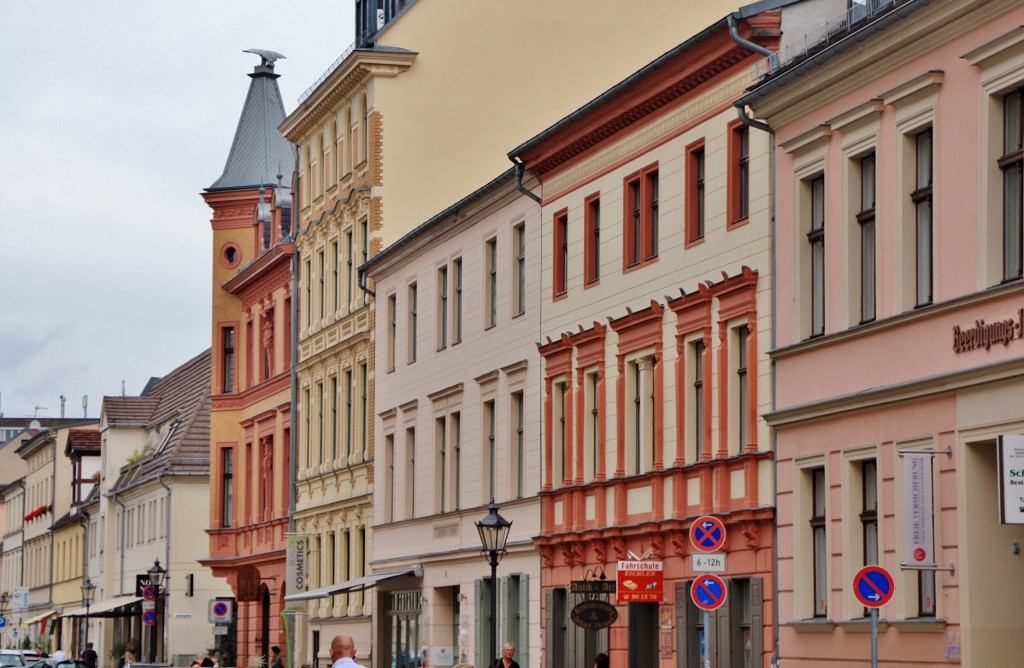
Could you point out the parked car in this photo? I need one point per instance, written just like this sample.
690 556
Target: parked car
58 663
11 657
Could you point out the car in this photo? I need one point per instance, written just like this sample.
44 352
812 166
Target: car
58 663
11 657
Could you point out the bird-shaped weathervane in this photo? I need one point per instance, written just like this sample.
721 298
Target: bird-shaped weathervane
268 56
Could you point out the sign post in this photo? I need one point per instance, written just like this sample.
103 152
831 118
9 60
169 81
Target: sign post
708 593
874 587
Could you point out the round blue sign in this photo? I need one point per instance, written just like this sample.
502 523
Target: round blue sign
220 608
873 586
149 617
708 592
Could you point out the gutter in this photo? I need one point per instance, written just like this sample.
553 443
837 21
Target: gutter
520 168
121 541
167 560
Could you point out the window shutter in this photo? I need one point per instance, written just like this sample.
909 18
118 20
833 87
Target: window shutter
549 629
682 624
524 620
719 643
478 632
756 620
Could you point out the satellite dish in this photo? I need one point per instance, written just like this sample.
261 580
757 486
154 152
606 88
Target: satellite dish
35 424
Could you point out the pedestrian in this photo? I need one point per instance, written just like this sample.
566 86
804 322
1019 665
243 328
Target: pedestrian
343 651
59 655
89 656
506 660
207 662
275 657
601 660
129 654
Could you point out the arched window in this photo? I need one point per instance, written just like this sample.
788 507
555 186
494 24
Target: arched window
321 183
364 149
349 157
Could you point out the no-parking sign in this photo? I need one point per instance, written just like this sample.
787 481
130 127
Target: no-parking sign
220 611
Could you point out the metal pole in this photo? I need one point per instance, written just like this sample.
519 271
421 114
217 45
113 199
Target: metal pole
707 639
494 609
874 637
85 645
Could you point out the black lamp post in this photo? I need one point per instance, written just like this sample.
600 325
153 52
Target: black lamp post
88 592
157 575
494 530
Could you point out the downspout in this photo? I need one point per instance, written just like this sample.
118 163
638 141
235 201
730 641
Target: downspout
121 541
520 168
362 283
24 500
167 560
741 111
289 656
53 511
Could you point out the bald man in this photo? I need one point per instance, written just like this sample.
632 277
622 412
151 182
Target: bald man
343 651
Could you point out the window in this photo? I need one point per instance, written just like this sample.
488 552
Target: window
640 218
350 391
695 192
1012 165
442 308
488 448
320 422
335 260
392 312
559 438
592 240
640 421
308 425
448 462
742 388
389 478
365 138
869 510
412 323
441 464
517 439
592 427
457 306
325 161
816 238
922 199
227 486
820 541
519 268
227 382
321 270
410 472
456 458
364 409
309 293
349 287
560 254
697 412
334 418
866 220
739 174
491 252
339 154
364 231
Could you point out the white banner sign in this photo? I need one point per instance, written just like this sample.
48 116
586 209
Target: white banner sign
296 568
20 599
918 510
1011 479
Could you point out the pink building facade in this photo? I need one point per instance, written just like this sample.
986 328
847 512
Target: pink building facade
898 355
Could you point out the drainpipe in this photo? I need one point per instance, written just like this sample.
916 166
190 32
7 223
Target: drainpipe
520 168
167 560
741 111
121 540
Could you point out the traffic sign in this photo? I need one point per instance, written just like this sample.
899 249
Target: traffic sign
873 586
708 562
707 533
15 633
149 617
149 593
3 622
220 611
708 592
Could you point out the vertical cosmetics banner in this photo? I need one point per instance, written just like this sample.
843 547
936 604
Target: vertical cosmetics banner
295 565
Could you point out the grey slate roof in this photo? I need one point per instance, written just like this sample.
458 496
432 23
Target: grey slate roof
258 153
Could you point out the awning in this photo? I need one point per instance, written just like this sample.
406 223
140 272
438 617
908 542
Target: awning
38 618
108 608
358 584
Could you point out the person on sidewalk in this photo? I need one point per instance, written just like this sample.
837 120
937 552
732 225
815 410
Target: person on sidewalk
343 651
506 660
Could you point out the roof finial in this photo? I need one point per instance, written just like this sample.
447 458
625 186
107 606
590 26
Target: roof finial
269 57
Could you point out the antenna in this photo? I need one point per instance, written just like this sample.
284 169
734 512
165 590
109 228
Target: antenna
39 408
85 405
1 404
62 400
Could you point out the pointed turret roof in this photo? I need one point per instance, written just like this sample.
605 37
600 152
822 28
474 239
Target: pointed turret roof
259 153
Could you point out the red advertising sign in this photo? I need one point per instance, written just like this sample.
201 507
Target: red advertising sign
640 582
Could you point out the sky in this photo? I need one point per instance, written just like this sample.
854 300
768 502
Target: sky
114 116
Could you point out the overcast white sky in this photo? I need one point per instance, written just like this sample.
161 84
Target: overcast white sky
113 118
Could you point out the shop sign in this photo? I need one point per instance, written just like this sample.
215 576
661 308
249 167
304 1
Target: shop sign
592 587
1011 479
640 581
594 615
295 568
918 509
983 335
248 584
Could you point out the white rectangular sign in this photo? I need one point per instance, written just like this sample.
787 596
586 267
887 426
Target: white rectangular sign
918 509
708 562
295 569
221 630
1011 479
20 599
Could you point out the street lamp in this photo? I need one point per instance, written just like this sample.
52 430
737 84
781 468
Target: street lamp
88 592
157 575
494 530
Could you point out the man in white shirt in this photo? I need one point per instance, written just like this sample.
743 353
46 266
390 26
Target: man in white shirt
59 655
343 651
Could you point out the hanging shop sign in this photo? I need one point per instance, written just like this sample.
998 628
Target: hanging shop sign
594 614
918 509
295 567
640 581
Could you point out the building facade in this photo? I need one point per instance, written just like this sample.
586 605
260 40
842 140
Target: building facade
656 327
250 413
898 360
459 428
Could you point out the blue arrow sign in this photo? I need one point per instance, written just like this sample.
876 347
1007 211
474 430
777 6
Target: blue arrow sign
708 592
873 586
3 622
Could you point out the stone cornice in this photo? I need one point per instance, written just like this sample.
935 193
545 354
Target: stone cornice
229 402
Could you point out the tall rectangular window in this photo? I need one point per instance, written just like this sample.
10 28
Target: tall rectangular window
816 238
413 333
389 477
697 414
489 444
457 305
695 192
334 417
410 473
364 409
592 431
350 390
227 382
1011 162
869 510
739 174
392 315
321 267
320 422
560 255
491 251
517 440
558 436
350 250
922 199
592 240
227 486
309 292
640 217
335 261
456 457
441 463
866 220
364 231
819 541
442 308
519 268
742 387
